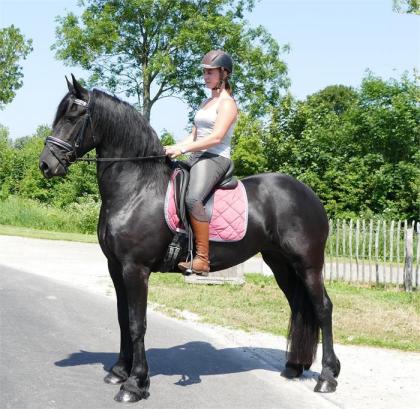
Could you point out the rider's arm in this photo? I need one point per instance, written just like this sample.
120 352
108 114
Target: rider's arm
225 118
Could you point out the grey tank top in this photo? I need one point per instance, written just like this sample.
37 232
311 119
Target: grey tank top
204 121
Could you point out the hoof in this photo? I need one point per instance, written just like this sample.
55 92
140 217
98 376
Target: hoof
113 379
325 385
130 397
292 371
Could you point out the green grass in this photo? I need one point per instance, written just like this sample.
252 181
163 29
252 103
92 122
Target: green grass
75 218
362 315
45 234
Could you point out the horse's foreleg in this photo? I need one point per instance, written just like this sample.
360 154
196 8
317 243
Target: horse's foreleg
314 284
121 369
136 386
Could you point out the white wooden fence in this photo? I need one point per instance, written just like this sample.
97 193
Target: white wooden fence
373 251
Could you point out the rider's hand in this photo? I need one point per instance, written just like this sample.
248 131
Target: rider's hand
172 151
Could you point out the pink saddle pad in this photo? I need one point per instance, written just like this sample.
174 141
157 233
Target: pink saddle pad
229 217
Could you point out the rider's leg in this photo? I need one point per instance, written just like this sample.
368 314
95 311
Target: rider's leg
204 175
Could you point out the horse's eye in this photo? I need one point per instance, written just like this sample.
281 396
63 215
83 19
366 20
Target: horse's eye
73 108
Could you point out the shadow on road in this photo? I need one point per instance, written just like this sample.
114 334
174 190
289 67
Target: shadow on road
192 360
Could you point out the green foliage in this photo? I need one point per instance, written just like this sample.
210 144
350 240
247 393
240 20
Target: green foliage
13 47
6 159
20 175
247 146
74 218
167 138
358 149
137 46
407 6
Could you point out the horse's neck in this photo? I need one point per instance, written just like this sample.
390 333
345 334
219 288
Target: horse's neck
125 181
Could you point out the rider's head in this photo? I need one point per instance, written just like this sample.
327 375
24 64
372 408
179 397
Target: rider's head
220 62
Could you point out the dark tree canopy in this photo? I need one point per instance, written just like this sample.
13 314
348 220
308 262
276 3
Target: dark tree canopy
151 49
13 47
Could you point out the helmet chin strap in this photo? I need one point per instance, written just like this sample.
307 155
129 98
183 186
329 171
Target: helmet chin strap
221 81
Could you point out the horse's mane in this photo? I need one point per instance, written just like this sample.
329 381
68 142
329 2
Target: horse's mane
122 126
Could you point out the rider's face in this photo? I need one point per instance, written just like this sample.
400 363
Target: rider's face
211 77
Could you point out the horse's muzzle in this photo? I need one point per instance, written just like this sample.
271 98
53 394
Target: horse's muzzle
50 166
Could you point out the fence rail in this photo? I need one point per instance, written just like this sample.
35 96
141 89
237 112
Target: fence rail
373 251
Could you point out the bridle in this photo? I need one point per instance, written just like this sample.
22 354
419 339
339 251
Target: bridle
70 150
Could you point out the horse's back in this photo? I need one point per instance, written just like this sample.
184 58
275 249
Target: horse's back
287 207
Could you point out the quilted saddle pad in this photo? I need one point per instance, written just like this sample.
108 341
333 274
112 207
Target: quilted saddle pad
228 213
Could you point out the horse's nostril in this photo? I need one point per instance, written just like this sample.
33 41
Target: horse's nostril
43 166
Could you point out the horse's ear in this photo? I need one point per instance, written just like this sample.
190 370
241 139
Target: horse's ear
79 91
70 86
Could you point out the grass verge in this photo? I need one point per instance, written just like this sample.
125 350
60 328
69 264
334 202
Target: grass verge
362 315
6 230
74 218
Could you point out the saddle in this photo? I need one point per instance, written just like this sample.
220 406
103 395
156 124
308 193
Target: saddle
176 216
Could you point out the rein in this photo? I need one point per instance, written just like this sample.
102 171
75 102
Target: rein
71 155
135 158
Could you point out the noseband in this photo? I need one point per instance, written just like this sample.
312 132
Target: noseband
70 155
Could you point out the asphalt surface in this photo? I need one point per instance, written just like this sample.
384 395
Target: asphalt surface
58 341
59 334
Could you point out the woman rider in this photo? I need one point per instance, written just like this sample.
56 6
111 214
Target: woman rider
209 143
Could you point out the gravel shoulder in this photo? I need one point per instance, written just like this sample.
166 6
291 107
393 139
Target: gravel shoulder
370 377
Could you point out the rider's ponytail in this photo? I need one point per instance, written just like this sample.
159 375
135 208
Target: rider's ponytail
228 88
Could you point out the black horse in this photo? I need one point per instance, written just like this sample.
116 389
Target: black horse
287 224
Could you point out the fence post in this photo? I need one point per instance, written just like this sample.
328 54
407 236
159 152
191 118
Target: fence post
357 248
384 254
363 249
417 256
391 251
351 250
337 248
378 227
344 249
331 223
398 253
408 264
370 249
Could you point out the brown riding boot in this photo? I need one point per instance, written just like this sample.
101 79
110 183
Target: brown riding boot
201 264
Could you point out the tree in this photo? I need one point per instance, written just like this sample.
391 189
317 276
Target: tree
357 148
13 47
407 6
247 146
151 49
6 159
167 138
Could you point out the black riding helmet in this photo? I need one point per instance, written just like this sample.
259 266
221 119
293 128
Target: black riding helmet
217 59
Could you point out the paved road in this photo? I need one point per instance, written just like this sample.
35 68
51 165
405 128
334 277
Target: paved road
57 340
58 330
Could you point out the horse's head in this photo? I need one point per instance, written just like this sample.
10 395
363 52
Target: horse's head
72 133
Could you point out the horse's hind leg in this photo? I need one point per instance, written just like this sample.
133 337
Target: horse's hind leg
314 284
121 369
303 328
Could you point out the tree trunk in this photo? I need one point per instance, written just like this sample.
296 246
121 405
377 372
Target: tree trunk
147 106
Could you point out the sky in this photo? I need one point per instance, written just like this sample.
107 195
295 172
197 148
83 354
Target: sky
331 41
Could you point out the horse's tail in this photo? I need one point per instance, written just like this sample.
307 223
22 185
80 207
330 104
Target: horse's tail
303 334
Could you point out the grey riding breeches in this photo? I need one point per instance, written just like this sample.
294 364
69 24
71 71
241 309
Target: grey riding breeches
206 170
